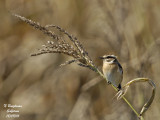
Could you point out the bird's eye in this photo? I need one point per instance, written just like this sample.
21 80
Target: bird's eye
108 60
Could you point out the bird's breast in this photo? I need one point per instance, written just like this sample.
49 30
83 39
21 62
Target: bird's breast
113 74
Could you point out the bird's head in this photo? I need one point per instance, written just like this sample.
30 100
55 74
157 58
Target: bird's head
109 58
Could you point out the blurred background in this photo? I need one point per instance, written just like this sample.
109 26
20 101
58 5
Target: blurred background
125 28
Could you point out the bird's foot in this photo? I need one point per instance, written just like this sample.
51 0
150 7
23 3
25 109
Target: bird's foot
108 82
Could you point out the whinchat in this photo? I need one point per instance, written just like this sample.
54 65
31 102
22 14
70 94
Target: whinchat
112 70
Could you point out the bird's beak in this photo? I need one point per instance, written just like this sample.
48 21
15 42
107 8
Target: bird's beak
101 57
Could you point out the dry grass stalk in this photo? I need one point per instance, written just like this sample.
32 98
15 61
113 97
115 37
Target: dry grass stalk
81 57
36 25
123 91
74 50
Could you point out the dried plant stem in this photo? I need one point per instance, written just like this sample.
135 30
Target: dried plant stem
149 102
81 57
126 86
129 104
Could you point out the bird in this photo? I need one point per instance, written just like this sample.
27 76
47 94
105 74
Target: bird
112 70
